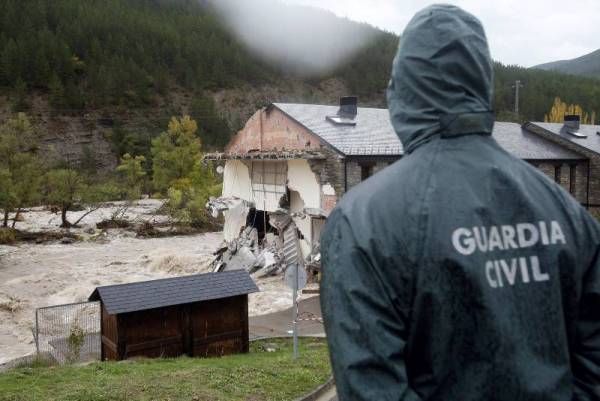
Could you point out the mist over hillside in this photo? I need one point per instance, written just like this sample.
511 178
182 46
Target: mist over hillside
108 74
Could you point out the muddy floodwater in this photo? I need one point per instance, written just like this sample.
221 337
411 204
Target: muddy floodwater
33 276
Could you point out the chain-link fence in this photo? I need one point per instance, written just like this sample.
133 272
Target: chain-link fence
68 333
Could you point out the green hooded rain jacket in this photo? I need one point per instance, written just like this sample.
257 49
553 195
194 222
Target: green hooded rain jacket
460 272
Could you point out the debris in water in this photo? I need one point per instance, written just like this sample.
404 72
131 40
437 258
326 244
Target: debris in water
266 242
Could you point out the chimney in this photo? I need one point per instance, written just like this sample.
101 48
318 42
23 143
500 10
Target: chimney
348 107
347 112
572 124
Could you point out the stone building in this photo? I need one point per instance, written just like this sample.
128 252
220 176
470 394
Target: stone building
580 179
304 157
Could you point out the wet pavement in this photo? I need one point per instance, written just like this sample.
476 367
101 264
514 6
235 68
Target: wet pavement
330 395
280 323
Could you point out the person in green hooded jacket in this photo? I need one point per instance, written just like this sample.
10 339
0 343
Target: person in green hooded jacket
460 272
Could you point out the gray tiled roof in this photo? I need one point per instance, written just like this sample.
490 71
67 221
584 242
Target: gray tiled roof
374 135
123 298
592 142
529 146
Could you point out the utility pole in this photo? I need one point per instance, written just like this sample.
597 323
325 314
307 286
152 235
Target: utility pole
517 86
295 278
295 310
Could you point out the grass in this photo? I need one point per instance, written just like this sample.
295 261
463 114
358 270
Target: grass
257 376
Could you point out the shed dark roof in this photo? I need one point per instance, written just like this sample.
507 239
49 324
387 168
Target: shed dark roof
592 142
123 298
373 134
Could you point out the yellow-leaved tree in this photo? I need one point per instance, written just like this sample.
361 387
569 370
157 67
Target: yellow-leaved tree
560 109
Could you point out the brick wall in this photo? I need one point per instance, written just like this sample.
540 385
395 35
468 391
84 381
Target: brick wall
271 130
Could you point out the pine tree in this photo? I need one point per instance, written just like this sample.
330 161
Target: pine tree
64 188
180 173
175 152
132 174
19 165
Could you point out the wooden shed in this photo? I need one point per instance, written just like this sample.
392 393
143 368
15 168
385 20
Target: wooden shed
198 315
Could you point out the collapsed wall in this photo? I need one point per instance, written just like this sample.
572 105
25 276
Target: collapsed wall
273 215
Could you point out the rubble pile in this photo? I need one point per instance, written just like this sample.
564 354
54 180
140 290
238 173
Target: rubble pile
246 253
265 253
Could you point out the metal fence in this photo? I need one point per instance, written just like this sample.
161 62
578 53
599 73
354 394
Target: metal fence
68 333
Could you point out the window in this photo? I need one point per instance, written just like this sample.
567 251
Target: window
366 170
572 179
557 174
268 183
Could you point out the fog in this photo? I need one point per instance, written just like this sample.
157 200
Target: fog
300 39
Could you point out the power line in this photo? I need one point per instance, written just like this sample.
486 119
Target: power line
517 86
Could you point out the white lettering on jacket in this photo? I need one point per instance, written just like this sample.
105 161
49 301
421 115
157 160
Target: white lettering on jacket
501 273
523 235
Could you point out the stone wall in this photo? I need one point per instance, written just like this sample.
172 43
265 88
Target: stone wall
353 174
581 183
330 172
546 168
579 187
354 168
582 167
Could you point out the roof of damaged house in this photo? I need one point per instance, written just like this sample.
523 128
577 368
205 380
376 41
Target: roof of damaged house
373 134
588 136
132 297
266 155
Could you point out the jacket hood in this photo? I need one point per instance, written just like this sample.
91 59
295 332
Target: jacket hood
442 78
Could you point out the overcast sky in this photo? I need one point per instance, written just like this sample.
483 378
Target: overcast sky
523 32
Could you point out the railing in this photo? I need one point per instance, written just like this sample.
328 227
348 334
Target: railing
68 333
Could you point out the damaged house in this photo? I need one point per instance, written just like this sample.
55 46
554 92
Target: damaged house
286 169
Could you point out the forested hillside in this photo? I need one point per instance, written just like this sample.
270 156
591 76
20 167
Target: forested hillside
132 64
539 90
586 65
119 69
105 52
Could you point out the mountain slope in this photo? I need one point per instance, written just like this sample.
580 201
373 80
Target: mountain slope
118 69
102 77
587 65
